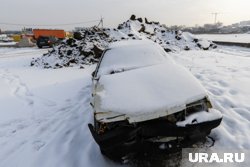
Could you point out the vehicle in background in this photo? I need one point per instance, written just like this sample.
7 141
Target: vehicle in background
60 34
44 41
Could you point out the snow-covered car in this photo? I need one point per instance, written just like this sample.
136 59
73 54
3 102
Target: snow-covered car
143 100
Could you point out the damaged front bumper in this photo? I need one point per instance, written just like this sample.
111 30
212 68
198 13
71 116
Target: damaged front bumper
125 140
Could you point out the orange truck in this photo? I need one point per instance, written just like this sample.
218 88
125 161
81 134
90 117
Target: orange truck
49 32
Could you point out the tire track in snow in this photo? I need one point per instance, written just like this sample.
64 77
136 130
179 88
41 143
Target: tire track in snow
20 90
68 128
69 136
20 128
63 131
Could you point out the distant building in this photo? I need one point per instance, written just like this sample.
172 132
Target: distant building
11 32
27 30
244 23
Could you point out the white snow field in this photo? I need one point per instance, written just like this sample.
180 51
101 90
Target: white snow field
240 38
225 73
44 112
2 44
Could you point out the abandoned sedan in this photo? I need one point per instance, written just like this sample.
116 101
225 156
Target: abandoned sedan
143 101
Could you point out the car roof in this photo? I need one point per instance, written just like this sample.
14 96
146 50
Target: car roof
131 54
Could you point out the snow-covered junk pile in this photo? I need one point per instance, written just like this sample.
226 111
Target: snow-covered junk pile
87 44
85 47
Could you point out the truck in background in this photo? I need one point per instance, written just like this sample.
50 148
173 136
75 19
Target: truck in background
60 34
48 37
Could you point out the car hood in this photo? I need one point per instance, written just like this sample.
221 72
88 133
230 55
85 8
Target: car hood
145 93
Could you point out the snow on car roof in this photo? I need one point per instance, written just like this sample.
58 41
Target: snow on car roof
155 90
131 54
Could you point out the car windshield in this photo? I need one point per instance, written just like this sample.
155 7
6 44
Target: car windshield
128 55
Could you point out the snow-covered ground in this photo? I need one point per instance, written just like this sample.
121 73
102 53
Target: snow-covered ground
7 44
240 38
44 112
225 73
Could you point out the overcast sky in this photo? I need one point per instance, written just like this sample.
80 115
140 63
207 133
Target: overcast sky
169 12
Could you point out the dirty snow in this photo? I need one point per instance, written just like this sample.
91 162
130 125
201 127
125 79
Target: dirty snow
88 44
44 112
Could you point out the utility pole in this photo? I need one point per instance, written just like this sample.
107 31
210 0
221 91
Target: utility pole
101 22
215 16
